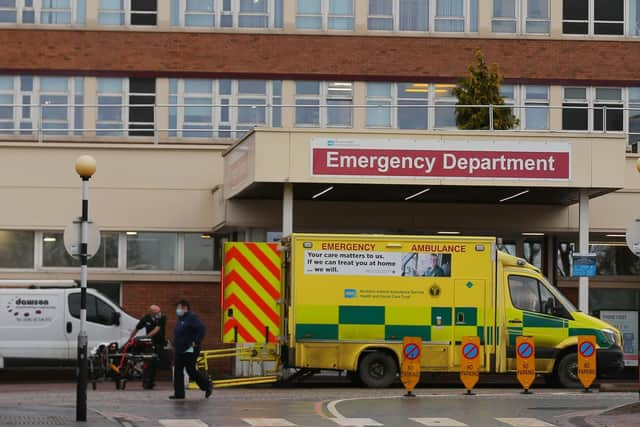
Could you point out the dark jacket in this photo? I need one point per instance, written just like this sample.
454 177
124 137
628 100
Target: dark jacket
189 329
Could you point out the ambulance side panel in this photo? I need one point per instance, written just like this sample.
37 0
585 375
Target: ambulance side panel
353 293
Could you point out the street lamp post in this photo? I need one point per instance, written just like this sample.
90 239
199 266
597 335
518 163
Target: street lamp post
85 167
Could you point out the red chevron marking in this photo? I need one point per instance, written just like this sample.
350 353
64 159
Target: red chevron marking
266 261
235 253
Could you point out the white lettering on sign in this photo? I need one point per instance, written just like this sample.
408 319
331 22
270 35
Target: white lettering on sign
379 163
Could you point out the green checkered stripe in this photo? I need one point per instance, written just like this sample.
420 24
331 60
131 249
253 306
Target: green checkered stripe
389 323
533 324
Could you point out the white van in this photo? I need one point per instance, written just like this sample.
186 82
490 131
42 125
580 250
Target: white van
40 321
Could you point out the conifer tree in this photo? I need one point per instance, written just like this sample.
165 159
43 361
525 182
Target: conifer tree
482 87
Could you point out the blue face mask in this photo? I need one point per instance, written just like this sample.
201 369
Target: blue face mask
179 312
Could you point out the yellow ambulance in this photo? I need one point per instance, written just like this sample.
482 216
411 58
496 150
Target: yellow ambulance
347 301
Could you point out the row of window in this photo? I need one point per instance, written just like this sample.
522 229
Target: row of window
228 108
138 251
599 17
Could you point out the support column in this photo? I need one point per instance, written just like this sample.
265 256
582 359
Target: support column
287 209
583 214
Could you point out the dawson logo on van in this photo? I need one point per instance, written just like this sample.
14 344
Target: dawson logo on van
21 301
25 309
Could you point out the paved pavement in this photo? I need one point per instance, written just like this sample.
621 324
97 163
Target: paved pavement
54 404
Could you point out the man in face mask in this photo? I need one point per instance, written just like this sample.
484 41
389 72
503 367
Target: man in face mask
187 337
154 323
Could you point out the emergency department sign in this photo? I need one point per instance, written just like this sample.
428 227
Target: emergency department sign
381 158
525 361
410 367
587 360
470 362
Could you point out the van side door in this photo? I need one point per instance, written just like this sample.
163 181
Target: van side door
102 323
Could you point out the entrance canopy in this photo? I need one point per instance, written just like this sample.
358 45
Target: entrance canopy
436 167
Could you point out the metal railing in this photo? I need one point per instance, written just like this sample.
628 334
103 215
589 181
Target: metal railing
205 121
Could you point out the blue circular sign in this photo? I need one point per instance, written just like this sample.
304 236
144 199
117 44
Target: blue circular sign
411 351
470 351
525 350
587 349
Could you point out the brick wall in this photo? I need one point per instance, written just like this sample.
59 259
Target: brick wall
291 56
203 297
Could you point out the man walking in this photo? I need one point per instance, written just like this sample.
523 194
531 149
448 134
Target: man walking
154 325
187 336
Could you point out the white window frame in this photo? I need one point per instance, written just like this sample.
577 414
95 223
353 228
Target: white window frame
521 19
35 107
217 99
591 22
124 109
324 15
591 101
521 112
37 11
431 19
323 106
127 11
217 12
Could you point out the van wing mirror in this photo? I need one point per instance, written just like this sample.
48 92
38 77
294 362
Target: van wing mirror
115 318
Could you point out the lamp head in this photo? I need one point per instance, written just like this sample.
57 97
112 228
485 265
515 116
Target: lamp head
86 166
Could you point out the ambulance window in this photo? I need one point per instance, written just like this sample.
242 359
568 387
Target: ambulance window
524 293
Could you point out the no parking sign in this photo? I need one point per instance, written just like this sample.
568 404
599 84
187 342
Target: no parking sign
410 367
525 361
587 360
470 362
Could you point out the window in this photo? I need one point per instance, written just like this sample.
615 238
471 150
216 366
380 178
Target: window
46 12
606 104
337 96
520 16
111 119
611 260
529 294
414 15
593 17
98 311
412 100
536 112
27 101
227 13
54 253
325 14
634 18
128 12
151 251
142 99
575 114
445 111
222 108
532 252
379 111
634 117
198 252
16 249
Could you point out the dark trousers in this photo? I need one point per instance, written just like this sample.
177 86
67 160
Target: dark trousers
149 372
187 361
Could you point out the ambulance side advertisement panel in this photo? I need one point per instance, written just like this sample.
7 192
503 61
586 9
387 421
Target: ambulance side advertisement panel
379 289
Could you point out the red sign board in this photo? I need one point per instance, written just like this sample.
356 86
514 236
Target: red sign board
430 160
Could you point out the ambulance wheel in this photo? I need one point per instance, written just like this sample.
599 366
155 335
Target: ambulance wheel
567 371
377 370
355 378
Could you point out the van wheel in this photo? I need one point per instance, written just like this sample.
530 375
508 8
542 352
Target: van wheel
377 370
567 371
